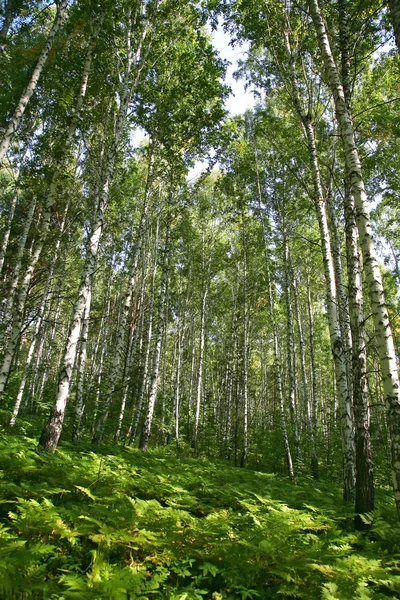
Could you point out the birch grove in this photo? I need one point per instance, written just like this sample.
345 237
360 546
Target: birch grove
248 313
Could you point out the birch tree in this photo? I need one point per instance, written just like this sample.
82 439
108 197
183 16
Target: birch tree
384 337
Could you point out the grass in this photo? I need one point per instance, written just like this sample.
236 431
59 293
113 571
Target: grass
118 524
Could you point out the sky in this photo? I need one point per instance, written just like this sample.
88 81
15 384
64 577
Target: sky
240 99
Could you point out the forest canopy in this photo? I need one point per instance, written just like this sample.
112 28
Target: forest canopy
249 315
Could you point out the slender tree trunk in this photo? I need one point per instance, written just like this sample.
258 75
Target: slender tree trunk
15 121
146 368
130 354
200 370
13 283
79 398
290 344
337 343
372 272
177 391
18 315
245 361
364 499
278 373
312 360
191 380
126 308
159 336
304 381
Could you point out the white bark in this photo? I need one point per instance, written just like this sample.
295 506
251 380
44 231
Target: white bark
200 370
312 360
79 399
13 283
245 391
337 343
38 326
126 308
6 236
305 386
146 375
383 332
15 121
159 336
278 371
18 313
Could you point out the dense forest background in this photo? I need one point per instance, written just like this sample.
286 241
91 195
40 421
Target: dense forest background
250 315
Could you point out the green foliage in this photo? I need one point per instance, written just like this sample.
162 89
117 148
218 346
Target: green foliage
118 524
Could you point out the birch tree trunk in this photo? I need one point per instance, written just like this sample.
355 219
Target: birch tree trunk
159 336
337 344
278 371
39 322
364 492
18 313
245 362
130 355
202 342
305 386
79 399
15 121
177 391
290 343
126 308
146 375
52 431
383 332
312 360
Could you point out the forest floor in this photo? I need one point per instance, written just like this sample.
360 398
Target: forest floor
118 524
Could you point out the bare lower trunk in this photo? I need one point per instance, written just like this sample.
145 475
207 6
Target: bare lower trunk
200 371
305 387
290 345
146 374
157 350
338 345
79 399
383 332
312 360
177 391
364 498
126 308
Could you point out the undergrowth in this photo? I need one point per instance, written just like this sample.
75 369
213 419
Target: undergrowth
117 524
